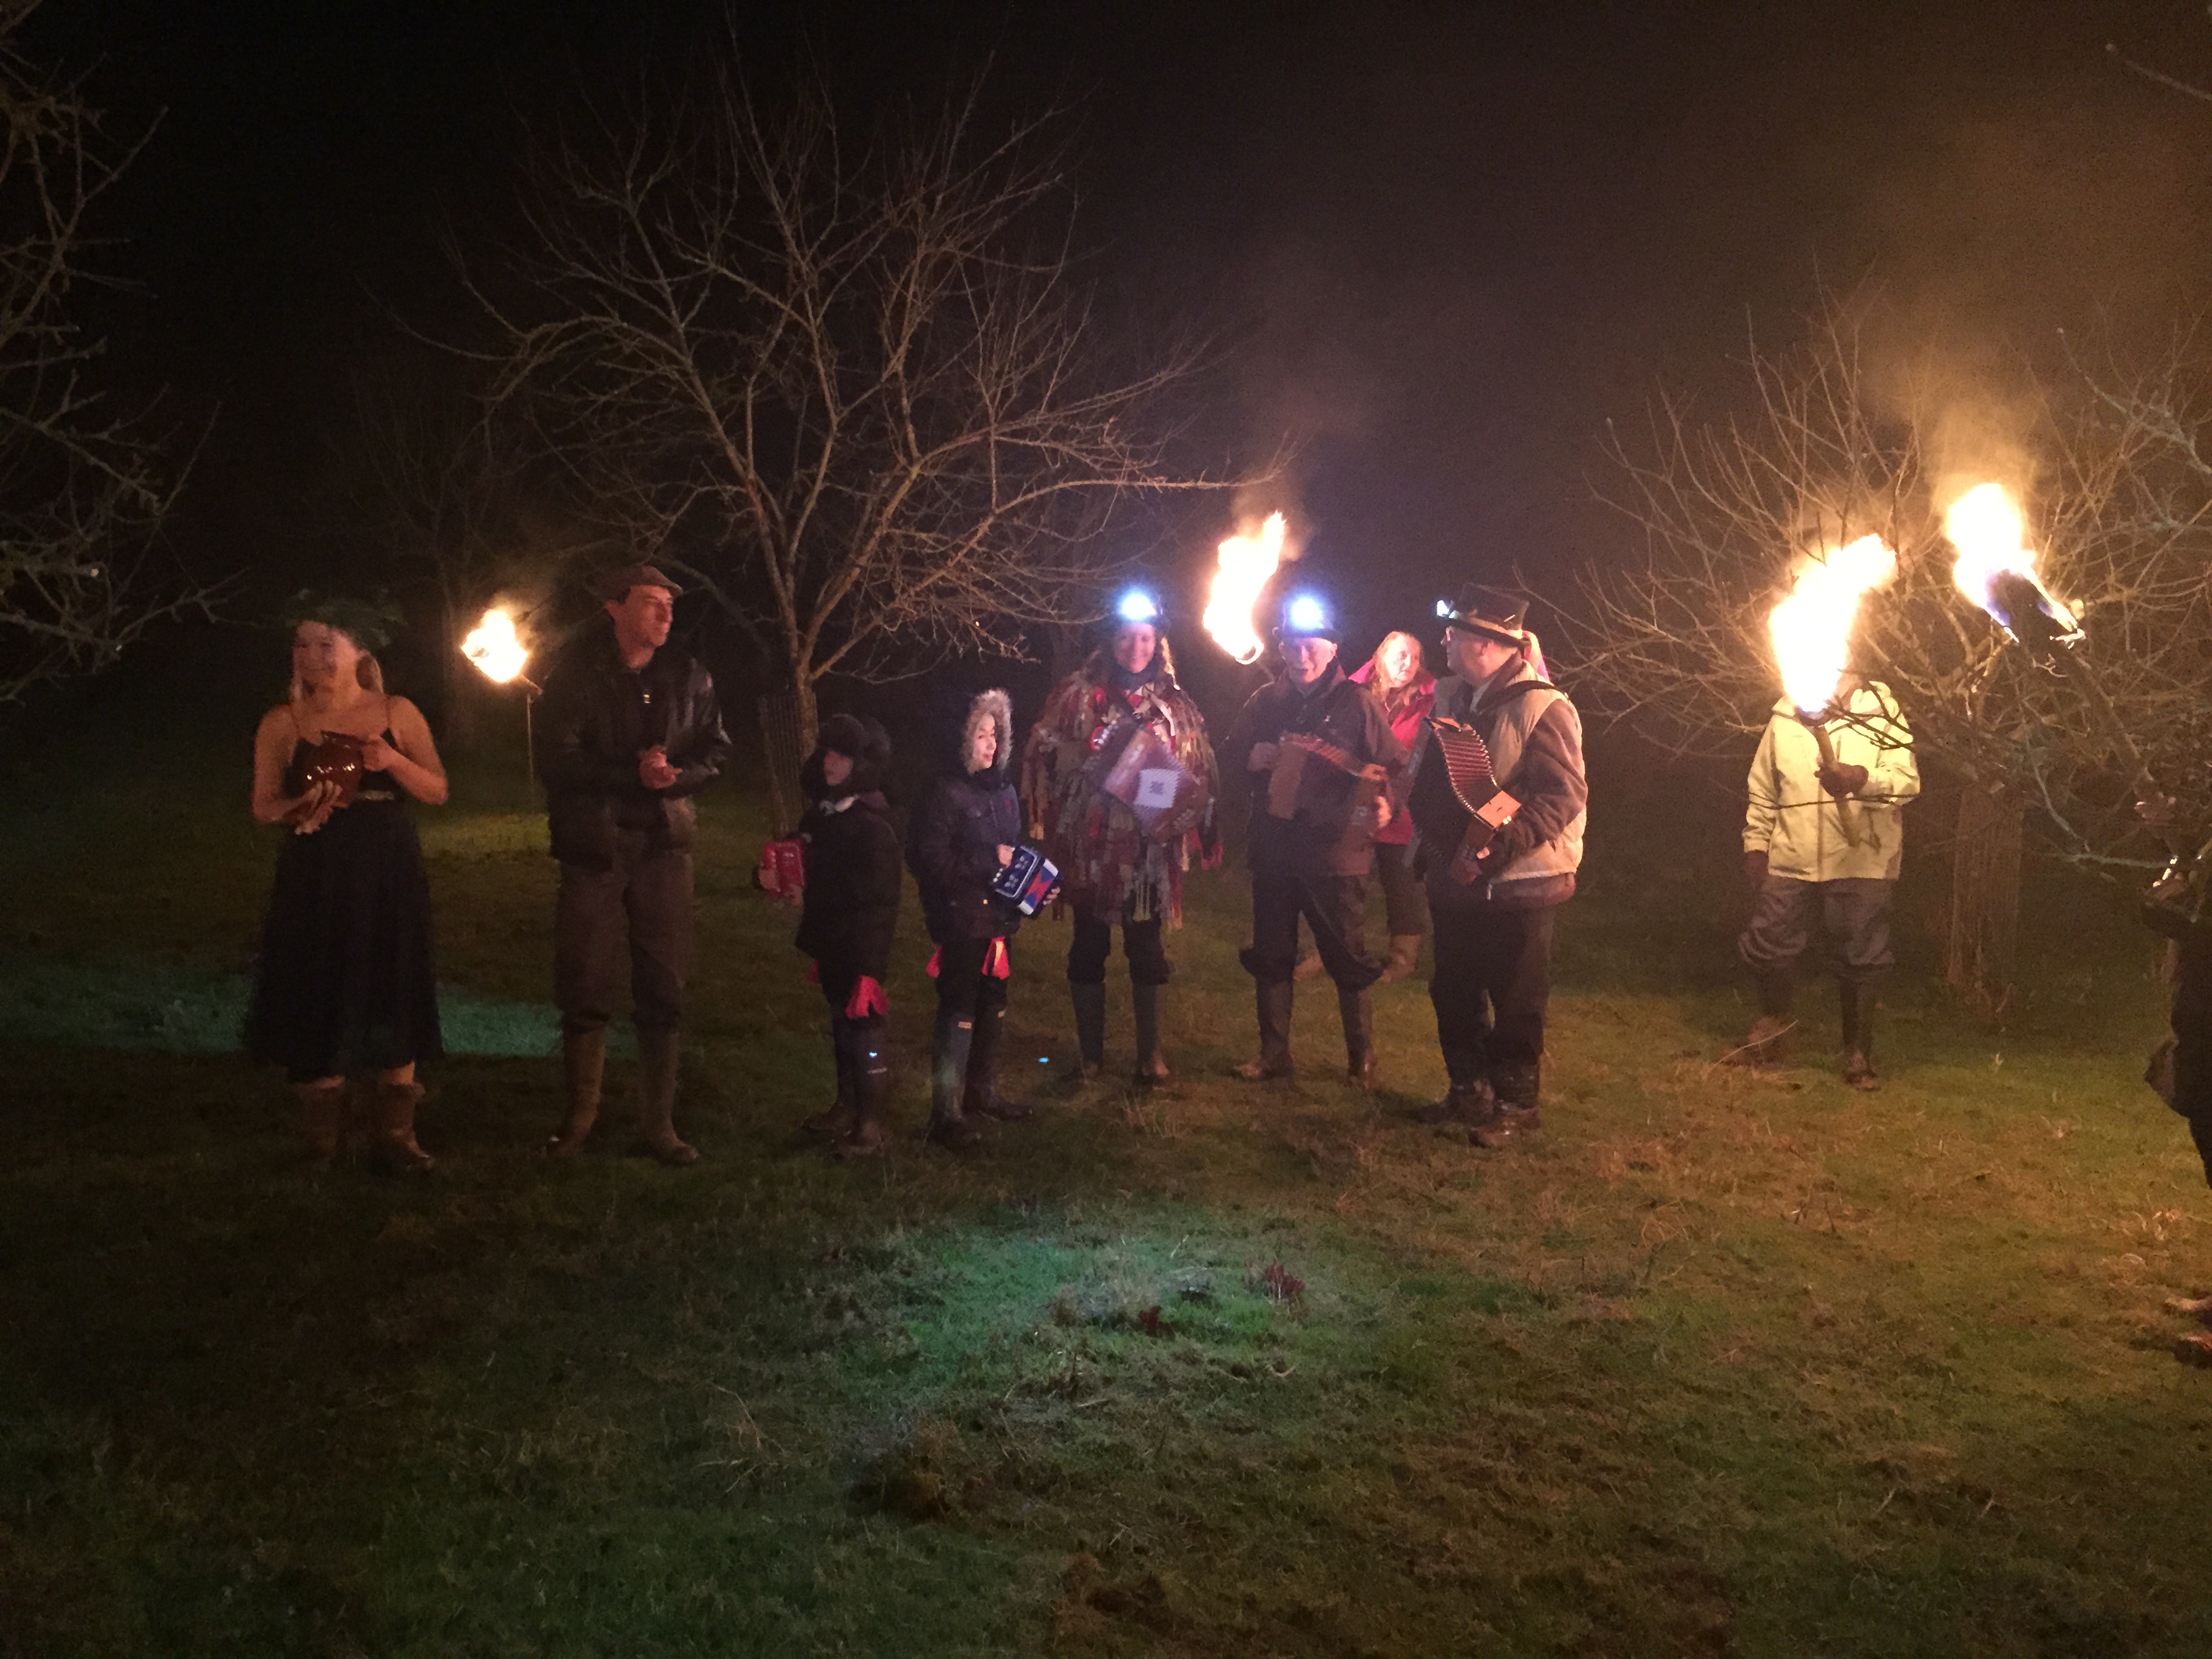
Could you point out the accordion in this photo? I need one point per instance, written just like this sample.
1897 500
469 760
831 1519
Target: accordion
1467 763
1166 800
1026 880
782 869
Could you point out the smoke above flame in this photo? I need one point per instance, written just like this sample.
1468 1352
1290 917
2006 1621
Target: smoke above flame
1247 562
495 647
1812 627
1995 568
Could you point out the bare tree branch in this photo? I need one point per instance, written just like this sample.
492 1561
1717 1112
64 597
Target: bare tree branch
83 488
851 389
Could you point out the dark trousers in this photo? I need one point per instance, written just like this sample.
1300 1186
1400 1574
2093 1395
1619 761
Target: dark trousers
2193 1047
1094 942
1491 982
1404 901
838 979
1854 915
643 903
963 989
1335 907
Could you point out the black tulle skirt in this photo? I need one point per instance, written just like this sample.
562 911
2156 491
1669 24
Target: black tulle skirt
345 982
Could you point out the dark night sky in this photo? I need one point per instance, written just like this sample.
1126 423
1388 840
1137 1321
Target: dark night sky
1448 242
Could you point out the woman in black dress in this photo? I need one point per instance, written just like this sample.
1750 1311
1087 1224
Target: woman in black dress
344 982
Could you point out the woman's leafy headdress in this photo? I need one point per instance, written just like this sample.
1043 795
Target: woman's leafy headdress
368 623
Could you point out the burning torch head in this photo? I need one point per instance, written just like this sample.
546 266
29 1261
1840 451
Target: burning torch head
1996 569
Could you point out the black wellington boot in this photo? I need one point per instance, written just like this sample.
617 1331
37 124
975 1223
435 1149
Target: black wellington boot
1274 1001
867 1062
1359 1011
948 1081
838 1121
1150 1068
1777 990
1090 1031
982 1098
1858 1036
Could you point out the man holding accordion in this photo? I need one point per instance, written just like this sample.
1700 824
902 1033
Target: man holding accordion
1499 800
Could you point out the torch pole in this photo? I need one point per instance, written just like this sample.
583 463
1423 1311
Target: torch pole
1827 745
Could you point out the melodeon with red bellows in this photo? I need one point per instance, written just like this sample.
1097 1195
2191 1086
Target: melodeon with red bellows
1027 878
1295 751
1467 763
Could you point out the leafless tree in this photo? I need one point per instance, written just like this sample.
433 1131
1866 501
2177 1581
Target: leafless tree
850 387
83 486
1677 641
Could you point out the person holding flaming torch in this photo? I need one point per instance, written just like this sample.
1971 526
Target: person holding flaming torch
1824 826
1323 766
1499 801
631 733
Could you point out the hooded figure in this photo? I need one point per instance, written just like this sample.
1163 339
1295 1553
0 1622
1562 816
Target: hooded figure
964 830
1115 871
851 904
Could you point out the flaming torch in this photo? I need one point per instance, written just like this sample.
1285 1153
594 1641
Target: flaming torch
1247 562
497 650
1811 629
1996 571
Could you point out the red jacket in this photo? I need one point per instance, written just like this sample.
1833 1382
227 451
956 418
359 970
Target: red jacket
1405 712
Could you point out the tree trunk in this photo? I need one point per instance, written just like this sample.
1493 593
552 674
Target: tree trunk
1985 900
786 728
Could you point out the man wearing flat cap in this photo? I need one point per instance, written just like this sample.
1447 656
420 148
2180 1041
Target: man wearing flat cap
1499 800
627 732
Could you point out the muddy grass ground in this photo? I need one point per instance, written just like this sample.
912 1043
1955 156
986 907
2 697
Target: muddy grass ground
1725 1364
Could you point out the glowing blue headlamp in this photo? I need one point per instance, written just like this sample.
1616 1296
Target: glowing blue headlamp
1308 615
1138 605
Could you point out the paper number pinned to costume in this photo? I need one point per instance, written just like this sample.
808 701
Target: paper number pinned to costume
1156 788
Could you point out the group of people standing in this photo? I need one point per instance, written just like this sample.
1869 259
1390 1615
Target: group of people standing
1466 796
1343 781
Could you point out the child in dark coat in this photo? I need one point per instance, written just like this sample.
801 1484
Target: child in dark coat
964 830
851 901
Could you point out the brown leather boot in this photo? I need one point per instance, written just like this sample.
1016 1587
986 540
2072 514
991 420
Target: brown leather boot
395 1129
583 1067
1404 953
658 1058
321 1107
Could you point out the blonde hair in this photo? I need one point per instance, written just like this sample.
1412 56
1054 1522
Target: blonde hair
1374 672
367 672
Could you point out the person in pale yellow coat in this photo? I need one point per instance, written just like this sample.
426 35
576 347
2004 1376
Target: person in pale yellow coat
1826 834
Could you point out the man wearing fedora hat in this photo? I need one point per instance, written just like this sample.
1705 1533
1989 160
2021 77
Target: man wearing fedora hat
1492 914
627 732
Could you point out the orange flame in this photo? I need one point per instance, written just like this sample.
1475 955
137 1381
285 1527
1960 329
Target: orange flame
1247 561
495 647
1988 528
1812 627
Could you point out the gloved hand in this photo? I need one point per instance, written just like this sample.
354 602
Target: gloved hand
867 998
1840 780
1754 866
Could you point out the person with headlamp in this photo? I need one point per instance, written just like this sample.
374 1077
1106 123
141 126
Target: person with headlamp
1118 785
1495 889
1323 766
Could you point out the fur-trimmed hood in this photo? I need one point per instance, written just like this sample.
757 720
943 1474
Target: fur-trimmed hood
996 708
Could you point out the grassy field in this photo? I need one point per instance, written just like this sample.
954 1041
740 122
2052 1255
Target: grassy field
1726 1363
